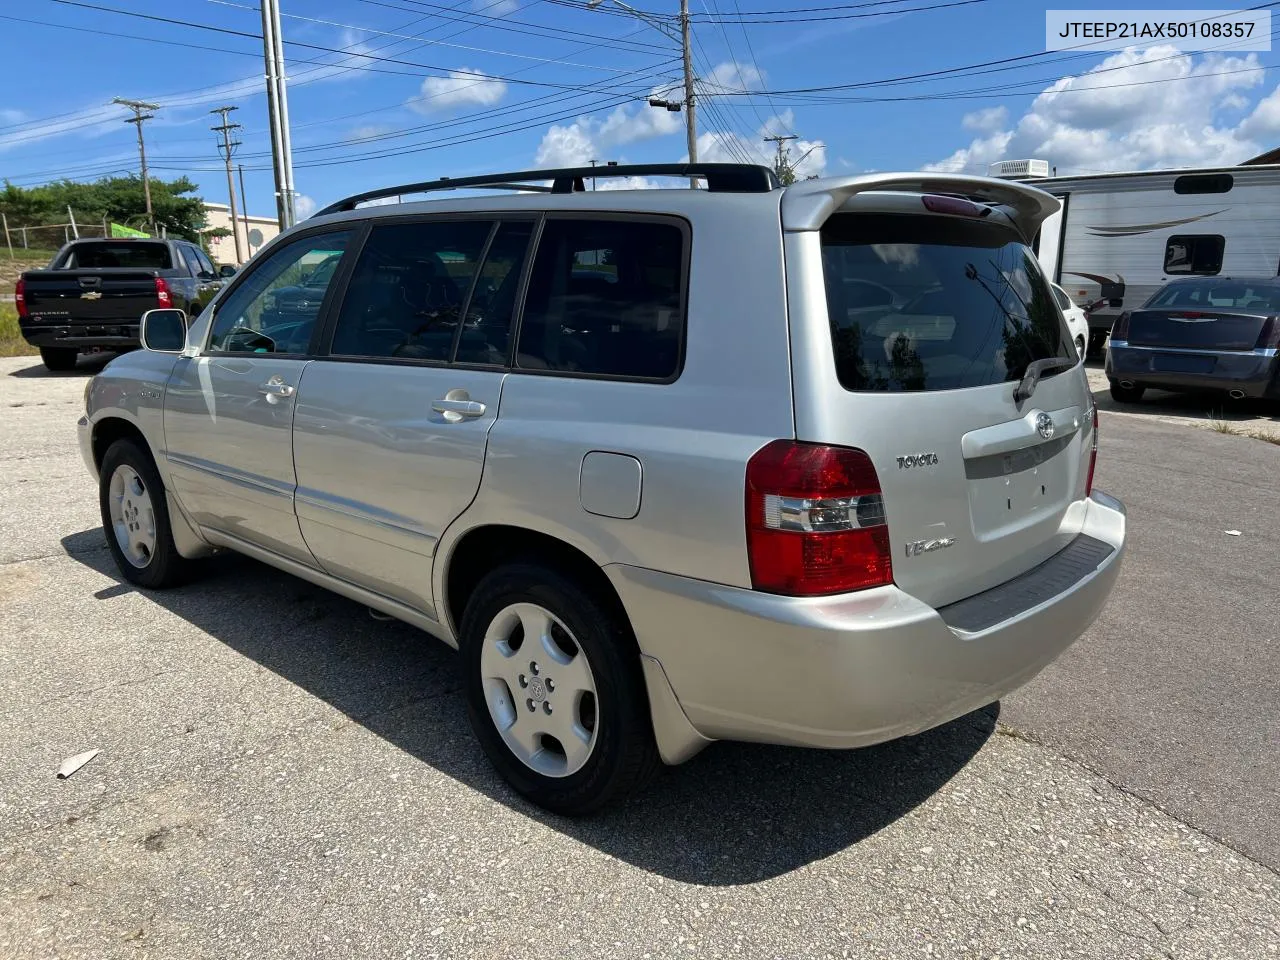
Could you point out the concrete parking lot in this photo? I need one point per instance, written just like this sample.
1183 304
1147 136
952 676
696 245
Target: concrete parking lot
283 776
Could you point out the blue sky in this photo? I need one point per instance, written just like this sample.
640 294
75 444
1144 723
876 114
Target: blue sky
418 90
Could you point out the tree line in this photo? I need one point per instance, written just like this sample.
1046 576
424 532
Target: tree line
113 199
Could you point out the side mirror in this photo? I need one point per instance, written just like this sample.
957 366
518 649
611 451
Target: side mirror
164 331
206 275
226 270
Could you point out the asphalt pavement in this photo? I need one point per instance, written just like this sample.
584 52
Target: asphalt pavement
283 776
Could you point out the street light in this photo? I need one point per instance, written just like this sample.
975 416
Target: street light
682 37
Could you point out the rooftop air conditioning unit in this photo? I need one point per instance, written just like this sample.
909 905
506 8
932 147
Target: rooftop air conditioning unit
1020 169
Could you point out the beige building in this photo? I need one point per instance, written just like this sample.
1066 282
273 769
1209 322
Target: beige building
254 232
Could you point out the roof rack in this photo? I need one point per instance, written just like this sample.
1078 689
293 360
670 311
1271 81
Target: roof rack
720 177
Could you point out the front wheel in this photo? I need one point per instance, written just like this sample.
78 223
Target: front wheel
135 518
59 359
555 693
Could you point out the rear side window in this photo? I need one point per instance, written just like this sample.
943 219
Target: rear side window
932 303
1198 253
606 298
408 290
104 256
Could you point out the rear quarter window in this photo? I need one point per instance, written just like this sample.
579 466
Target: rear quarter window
934 303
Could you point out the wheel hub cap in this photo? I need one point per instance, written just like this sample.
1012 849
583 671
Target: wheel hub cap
133 518
539 689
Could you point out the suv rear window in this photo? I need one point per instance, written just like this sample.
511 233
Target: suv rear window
934 303
104 256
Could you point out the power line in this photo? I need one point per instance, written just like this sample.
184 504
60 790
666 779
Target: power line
784 16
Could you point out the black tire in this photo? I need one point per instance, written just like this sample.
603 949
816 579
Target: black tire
165 567
624 755
59 359
1126 394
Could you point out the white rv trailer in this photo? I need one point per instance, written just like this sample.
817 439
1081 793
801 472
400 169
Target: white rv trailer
1120 236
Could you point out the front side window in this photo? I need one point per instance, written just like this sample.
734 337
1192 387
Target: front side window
408 290
206 265
274 309
605 298
1199 253
1061 296
960 303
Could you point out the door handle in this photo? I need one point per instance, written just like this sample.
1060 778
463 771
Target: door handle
276 388
457 409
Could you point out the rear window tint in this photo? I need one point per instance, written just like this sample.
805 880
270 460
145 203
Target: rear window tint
1222 294
104 256
934 303
606 299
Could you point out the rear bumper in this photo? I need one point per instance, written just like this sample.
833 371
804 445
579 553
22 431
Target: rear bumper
110 334
1253 372
851 670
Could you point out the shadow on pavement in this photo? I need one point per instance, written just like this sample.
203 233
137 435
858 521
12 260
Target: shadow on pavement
87 365
737 813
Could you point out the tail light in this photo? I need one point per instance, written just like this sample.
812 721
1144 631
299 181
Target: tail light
163 297
1268 339
20 298
815 520
1120 329
955 206
1093 454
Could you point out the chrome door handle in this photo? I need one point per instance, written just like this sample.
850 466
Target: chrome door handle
459 408
275 387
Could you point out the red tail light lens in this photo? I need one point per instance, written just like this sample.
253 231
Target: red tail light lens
20 297
1120 329
1093 455
815 520
163 298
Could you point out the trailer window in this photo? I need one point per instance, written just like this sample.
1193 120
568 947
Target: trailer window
1204 183
1200 254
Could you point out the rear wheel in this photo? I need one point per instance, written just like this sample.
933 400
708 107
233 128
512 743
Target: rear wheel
554 689
135 518
1123 394
59 358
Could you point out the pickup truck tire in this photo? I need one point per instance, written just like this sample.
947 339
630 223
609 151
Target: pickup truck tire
135 518
529 697
59 358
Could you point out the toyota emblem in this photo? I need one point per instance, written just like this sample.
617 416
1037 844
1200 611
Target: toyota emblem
1044 425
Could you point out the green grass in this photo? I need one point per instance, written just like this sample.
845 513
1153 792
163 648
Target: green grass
1218 425
11 342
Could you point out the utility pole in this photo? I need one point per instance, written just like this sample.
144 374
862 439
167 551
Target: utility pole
278 112
780 165
684 38
139 117
690 116
227 148
244 209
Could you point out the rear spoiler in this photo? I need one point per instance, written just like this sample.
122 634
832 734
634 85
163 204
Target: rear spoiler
807 205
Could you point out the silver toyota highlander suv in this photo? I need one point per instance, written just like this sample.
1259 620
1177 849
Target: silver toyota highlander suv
808 465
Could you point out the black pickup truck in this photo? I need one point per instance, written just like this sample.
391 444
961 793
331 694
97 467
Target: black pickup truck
93 294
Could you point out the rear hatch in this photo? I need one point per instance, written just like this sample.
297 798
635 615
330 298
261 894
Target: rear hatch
89 295
1206 315
911 349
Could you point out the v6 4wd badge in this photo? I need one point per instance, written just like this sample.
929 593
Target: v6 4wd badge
917 460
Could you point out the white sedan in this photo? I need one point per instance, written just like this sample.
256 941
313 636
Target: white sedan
1077 322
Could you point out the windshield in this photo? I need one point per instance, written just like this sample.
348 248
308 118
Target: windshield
934 303
1255 297
130 254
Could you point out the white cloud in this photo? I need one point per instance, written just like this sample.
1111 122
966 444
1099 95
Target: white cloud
303 205
496 8
732 76
462 87
628 183
986 121
1137 109
566 147
368 131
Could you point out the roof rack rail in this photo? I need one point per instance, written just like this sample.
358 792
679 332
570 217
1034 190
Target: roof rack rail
720 177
